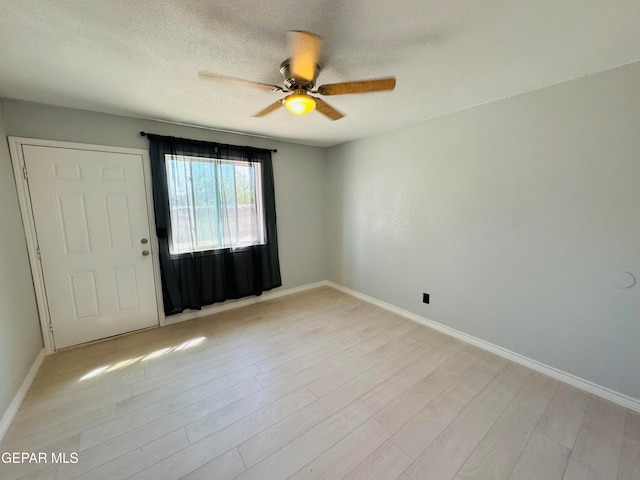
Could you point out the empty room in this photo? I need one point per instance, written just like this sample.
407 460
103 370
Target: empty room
320 240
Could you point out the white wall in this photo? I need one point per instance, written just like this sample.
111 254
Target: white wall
512 215
299 172
20 337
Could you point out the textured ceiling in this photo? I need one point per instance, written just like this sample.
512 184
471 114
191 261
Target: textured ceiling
142 57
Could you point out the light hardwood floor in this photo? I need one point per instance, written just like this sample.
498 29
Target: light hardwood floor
309 386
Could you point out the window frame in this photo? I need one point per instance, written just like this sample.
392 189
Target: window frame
259 197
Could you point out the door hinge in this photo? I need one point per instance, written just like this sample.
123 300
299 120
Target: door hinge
50 327
38 253
24 172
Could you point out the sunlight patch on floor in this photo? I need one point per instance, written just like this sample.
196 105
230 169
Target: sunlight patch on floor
150 356
95 372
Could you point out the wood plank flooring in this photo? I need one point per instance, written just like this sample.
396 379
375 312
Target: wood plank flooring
317 385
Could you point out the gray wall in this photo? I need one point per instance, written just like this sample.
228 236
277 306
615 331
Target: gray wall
20 337
299 172
512 215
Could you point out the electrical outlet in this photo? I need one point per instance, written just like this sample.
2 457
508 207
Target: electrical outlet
425 298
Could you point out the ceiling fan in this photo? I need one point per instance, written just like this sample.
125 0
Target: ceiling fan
300 73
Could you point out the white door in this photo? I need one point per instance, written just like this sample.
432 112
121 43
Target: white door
92 227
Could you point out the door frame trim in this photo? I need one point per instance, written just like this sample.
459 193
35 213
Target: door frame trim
22 186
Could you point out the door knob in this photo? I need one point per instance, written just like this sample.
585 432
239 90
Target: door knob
145 253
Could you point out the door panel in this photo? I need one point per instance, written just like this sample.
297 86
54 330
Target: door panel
91 216
118 221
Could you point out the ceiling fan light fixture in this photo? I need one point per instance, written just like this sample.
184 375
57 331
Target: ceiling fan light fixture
300 103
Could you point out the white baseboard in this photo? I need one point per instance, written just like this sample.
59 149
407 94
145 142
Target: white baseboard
590 387
243 302
14 406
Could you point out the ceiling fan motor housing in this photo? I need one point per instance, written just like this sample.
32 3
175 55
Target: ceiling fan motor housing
292 83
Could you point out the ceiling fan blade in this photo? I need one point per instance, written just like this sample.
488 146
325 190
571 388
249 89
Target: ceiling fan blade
305 50
362 86
270 108
264 86
327 110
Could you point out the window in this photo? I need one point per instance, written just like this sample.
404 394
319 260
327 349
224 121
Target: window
214 204
215 212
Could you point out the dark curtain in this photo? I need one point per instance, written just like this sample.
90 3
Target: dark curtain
192 280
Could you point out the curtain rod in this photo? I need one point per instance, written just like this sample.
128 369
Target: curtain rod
274 150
